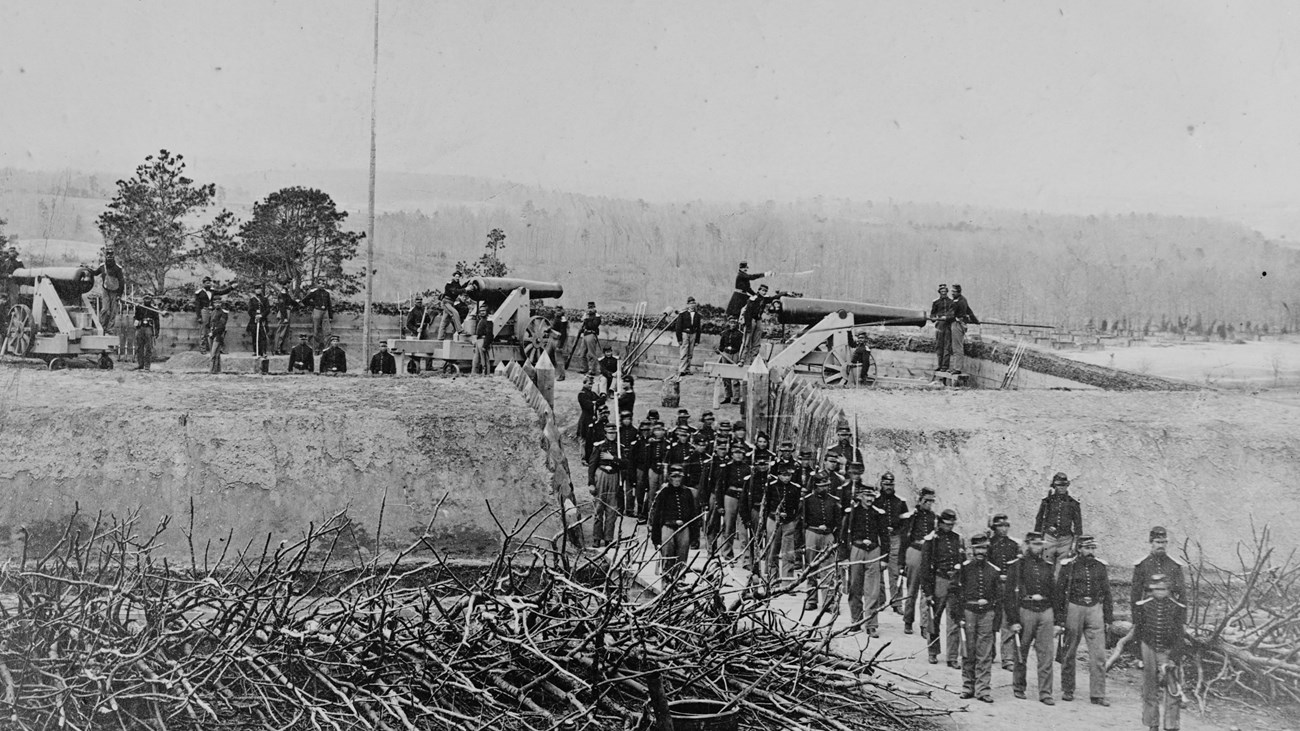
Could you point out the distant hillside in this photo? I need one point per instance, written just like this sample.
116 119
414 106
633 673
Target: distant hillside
1014 265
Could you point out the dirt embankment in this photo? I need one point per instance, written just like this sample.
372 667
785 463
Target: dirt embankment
1203 464
267 455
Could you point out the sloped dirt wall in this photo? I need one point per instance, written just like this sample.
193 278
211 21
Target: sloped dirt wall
259 456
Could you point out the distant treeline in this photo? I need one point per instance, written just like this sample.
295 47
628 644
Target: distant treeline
1021 266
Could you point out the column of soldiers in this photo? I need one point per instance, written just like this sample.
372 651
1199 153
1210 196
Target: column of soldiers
1049 595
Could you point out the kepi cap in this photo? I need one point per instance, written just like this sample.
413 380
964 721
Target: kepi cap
948 516
1159 532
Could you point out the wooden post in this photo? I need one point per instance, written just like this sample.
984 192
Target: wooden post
756 406
545 371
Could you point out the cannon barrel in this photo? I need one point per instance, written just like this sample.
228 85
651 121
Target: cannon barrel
496 289
69 282
804 311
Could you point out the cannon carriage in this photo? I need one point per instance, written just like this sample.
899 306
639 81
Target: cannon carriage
519 334
47 313
824 346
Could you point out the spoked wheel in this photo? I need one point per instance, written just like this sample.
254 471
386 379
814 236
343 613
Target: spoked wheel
450 368
59 364
105 362
534 339
834 369
20 333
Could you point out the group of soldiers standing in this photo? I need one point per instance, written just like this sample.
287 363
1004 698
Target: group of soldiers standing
790 518
951 315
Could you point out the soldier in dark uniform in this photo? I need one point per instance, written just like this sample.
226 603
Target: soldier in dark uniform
693 464
803 475
1084 601
217 332
1060 519
383 362
784 498
918 524
684 420
687 330
710 501
861 357
451 319
866 538
204 306
259 311
743 289
608 367
655 453
1003 549
1030 614
284 306
627 397
843 450
484 335
822 515
752 514
333 359
674 524
629 439
706 427
728 489
941 552
962 315
942 316
589 340
680 448
894 508
417 321
1159 626
1158 561
729 344
301 358
752 318
977 592
761 449
588 400
602 478
146 324
113 281
595 430
322 306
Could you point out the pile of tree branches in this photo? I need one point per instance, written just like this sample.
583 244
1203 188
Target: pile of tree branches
1245 623
99 632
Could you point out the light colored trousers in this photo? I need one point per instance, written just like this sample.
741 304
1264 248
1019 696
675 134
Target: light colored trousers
864 582
1036 631
1086 624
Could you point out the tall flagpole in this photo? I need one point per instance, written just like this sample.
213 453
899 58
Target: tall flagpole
370 223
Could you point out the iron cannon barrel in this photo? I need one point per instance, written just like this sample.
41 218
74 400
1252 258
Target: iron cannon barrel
492 289
69 282
805 311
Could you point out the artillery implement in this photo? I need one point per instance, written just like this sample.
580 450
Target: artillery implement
518 334
824 347
48 314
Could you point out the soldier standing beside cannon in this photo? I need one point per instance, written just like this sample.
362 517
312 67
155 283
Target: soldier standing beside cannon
962 315
743 289
941 314
113 282
146 328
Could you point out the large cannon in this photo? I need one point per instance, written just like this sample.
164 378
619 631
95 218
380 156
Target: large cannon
519 335
824 346
50 316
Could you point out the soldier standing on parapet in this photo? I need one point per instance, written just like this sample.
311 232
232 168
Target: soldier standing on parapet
146 327
729 344
1060 519
687 330
322 306
1003 549
752 316
259 310
942 316
1158 561
216 336
1084 602
743 290
589 340
205 299
962 315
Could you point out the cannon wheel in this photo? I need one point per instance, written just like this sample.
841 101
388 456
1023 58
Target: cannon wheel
20 335
450 368
534 339
834 369
105 362
58 364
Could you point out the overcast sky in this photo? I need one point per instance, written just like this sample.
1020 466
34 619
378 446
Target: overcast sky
1180 107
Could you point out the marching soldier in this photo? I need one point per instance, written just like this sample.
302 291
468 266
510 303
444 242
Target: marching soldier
1158 561
1003 549
1031 594
866 535
894 508
941 552
333 359
1158 624
822 514
977 592
743 289
1083 598
1060 519
784 498
674 525
941 315
602 479
729 344
918 524
301 358
589 340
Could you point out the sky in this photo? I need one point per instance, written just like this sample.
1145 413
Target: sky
1179 107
